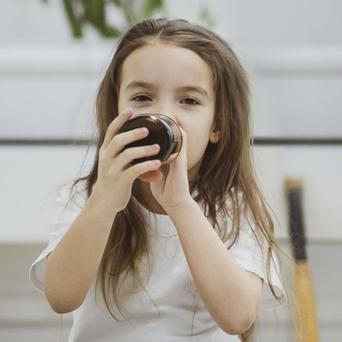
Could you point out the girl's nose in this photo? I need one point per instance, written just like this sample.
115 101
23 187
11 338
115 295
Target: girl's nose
166 110
169 112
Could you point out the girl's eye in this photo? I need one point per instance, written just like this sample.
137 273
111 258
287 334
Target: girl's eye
190 101
141 98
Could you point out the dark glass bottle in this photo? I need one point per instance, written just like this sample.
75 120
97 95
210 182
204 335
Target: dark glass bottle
162 130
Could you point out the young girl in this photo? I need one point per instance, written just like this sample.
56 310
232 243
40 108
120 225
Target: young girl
173 252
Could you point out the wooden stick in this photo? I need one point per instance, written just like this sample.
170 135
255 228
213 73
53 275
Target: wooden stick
304 300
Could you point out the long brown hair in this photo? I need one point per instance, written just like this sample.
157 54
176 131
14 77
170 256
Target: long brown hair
225 173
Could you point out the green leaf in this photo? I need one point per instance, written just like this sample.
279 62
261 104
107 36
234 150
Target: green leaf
93 12
151 6
206 17
74 21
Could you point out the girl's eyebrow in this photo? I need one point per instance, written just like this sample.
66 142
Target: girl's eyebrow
196 89
147 85
140 84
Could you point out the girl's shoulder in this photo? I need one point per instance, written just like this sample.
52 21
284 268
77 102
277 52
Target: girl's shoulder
69 201
241 215
72 194
75 188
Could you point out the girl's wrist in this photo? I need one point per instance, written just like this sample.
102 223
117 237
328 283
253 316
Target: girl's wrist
100 206
184 205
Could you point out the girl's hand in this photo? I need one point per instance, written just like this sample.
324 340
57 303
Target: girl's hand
115 175
171 187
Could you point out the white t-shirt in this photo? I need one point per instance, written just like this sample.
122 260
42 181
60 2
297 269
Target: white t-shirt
169 315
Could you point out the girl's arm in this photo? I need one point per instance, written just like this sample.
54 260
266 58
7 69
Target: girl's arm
231 294
73 263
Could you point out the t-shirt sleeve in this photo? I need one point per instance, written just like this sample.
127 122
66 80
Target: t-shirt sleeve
250 251
68 204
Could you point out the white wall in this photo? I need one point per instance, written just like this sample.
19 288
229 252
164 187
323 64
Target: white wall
48 83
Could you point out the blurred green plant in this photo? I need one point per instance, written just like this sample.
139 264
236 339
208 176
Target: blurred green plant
93 12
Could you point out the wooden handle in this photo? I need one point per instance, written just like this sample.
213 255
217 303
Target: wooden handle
305 310
304 300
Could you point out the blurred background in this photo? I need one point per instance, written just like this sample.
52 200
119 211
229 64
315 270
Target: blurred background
50 68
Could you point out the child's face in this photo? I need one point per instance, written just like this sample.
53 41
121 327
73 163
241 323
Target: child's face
166 79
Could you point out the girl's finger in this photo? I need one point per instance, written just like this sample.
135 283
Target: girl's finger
151 176
139 169
115 126
128 155
117 144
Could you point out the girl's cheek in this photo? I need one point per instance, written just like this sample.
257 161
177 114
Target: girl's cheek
122 103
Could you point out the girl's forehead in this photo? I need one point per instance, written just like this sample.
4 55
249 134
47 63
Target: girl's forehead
159 62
